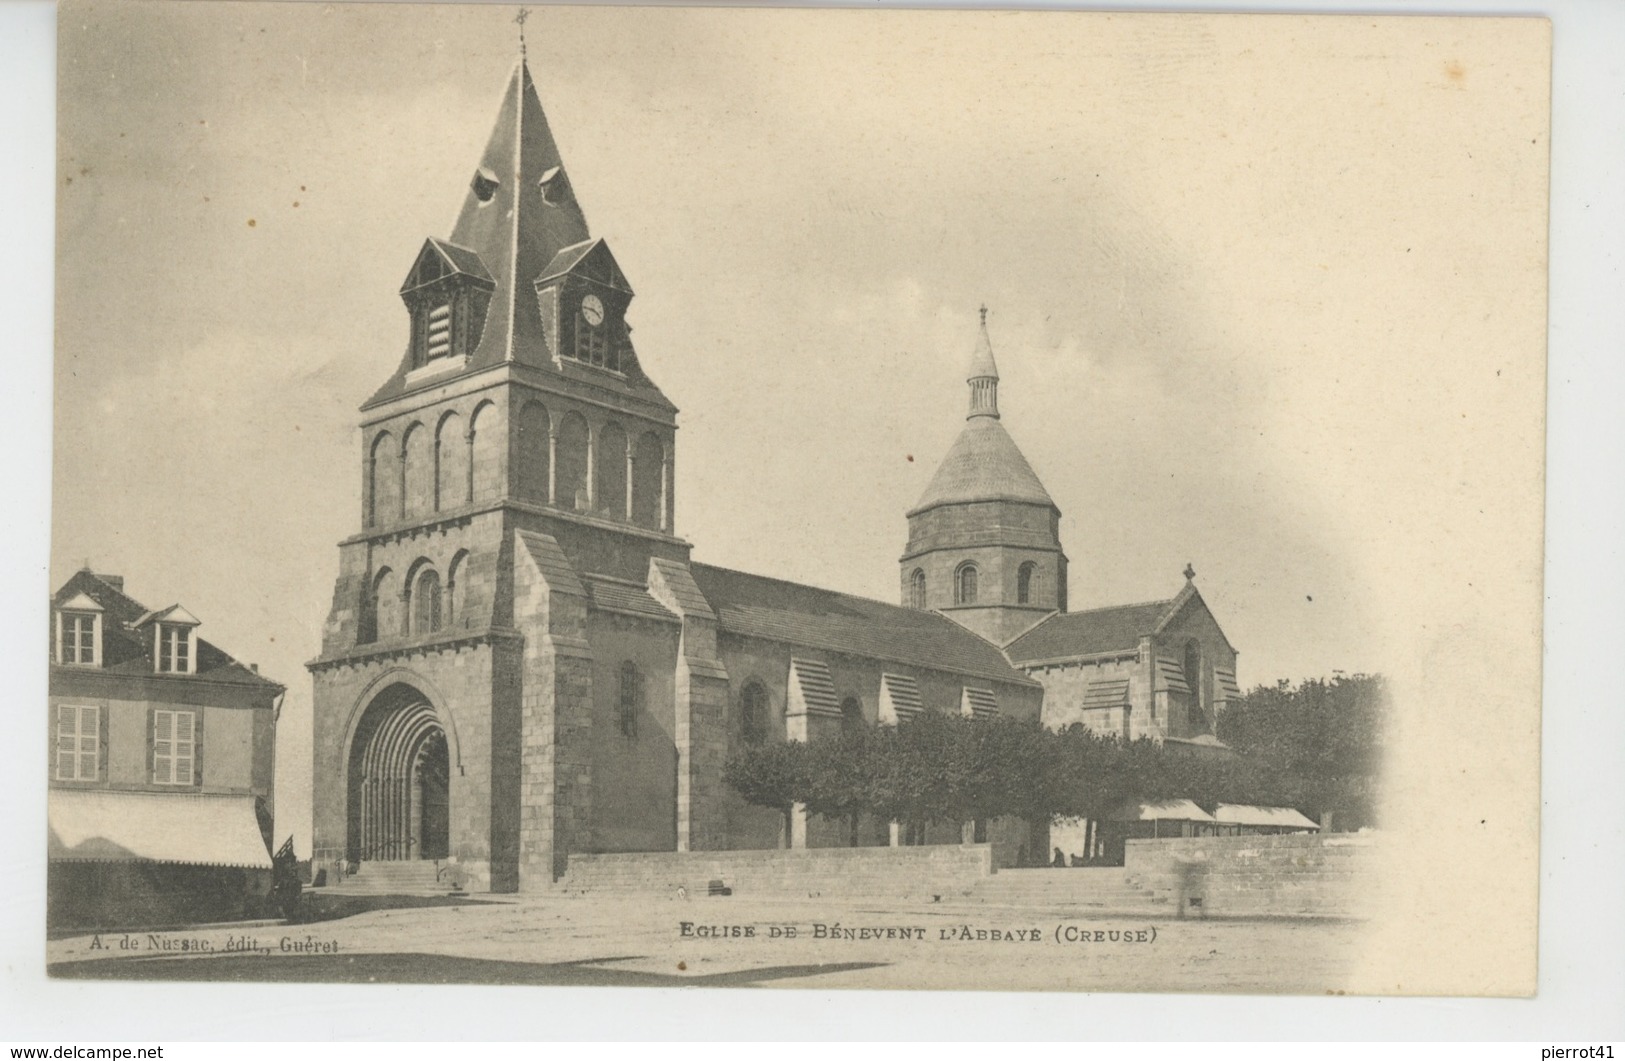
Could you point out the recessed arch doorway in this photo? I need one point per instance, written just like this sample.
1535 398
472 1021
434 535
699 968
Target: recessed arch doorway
399 781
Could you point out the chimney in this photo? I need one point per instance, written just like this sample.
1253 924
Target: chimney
255 667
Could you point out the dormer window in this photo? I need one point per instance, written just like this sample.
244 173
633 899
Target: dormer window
447 293
582 296
174 641
595 343
78 639
174 649
79 632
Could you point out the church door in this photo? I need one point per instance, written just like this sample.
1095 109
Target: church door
434 825
399 781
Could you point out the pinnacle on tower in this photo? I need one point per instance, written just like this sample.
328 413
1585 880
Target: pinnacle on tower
984 376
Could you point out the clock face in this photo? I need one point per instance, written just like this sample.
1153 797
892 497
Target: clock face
593 310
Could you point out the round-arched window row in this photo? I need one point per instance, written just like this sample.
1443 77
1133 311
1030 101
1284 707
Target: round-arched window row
564 461
419 604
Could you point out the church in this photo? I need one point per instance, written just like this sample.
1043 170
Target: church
522 660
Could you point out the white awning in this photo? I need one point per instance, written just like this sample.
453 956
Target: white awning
1274 817
203 830
1167 810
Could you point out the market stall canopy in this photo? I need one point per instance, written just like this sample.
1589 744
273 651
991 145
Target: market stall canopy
189 828
1167 810
1271 817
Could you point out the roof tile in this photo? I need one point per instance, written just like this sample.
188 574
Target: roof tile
983 464
1099 630
775 610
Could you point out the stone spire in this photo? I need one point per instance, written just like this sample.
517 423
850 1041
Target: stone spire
984 376
519 212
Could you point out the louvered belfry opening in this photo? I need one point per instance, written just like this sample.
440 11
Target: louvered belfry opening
399 805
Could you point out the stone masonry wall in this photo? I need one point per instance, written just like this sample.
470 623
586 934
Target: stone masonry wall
918 873
1290 875
700 704
457 680
555 788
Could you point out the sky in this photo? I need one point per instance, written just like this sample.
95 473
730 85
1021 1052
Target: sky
1266 297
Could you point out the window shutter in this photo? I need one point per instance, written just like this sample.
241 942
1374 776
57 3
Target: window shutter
197 749
90 731
439 330
184 734
163 747
58 715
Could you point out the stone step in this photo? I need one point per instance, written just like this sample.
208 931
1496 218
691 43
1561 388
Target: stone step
394 878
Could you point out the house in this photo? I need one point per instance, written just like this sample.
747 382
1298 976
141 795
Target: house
162 753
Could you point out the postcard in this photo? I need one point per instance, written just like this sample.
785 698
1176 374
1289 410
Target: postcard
1005 500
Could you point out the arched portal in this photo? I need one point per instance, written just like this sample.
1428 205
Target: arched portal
399 790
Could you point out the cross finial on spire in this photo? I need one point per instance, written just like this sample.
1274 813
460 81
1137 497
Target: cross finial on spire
1190 573
984 314
519 20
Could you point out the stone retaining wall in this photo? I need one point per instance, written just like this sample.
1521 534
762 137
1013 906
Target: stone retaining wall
1292 875
947 870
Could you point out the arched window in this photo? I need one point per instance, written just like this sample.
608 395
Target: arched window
384 495
965 584
570 463
648 469
609 482
631 705
1024 582
450 463
916 589
753 708
426 602
455 595
417 475
1193 678
532 457
485 447
851 715
382 613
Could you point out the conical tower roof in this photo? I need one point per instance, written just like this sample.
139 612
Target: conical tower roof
529 216
984 463
982 365
518 216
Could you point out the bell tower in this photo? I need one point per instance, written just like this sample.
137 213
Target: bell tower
984 539
517 457
520 392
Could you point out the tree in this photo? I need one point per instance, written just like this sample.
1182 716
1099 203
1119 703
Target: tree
917 770
840 781
1323 739
1315 746
769 775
